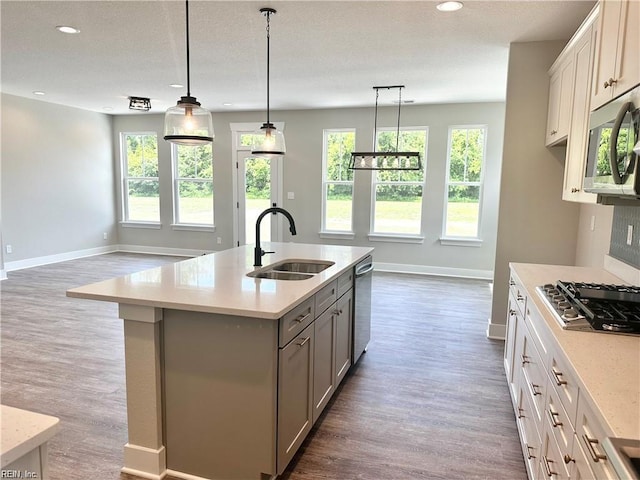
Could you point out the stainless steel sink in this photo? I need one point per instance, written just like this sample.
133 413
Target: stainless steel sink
303 266
291 269
276 275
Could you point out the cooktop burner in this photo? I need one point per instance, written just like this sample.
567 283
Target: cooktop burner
589 306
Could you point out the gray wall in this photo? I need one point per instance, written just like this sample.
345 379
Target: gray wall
57 179
535 225
303 174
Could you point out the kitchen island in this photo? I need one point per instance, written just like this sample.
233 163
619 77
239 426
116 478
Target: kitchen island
226 373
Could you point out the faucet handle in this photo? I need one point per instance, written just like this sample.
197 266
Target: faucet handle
264 253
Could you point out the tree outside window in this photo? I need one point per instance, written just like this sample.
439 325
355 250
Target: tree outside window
141 186
193 184
338 181
464 183
398 193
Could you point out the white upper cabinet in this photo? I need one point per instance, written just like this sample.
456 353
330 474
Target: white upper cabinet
560 88
617 60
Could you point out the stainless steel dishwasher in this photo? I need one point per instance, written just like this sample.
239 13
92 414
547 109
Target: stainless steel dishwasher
362 303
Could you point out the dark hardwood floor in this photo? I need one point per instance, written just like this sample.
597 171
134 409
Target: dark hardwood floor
429 399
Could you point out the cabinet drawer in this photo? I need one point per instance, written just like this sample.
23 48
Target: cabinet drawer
559 424
590 435
345 282
529 435
296 320
539 333
534 378
552 463
326 297
564 383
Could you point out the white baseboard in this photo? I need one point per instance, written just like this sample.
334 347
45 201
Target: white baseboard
431 270
145 462
179 252
59 257
496 331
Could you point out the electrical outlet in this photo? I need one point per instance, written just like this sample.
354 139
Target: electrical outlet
9 249
629 234
219 240
291 196
105 235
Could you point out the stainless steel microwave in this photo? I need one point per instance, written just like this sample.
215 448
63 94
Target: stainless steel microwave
614 148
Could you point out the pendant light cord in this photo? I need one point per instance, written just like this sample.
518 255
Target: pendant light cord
375 122
268 62
188 73
398 127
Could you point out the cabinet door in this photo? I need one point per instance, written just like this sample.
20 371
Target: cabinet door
574 166
509 344
323 361
344 321
295 395
560 97
617 66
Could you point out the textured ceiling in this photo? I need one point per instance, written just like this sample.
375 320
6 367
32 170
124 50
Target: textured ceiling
323 54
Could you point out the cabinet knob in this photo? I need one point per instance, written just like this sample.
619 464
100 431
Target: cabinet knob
553 132
567 459
610 83
575 190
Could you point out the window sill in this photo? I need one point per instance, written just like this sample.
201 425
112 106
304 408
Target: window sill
193 227
338 235
460 242
152 225
395 238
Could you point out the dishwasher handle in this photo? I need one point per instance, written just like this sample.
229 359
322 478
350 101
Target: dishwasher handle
362 270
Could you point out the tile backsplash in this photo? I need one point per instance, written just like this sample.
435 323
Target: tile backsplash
623 216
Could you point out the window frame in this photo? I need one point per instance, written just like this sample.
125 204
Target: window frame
124 183
324 231
458 240
399 237
175 194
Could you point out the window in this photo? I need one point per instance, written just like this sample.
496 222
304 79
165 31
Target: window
337 180
397 208
140 184
193 185
464 183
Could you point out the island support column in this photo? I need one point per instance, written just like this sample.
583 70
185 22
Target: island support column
144 454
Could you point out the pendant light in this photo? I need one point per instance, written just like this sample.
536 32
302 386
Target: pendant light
188 123
268 140
393 160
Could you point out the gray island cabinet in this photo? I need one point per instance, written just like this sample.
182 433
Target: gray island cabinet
226 374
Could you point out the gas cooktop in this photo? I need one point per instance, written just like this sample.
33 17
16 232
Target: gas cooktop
594 307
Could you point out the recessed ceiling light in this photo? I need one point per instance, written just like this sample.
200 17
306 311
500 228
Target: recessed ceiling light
449 6
67 29
176 85
107 109
38 92
227 104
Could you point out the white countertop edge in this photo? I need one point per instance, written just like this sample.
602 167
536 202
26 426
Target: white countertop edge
23 431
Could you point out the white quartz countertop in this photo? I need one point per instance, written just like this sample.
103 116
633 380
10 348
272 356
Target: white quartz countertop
218 282
607 365
22 431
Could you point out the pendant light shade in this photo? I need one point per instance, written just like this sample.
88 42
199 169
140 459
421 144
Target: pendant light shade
268 140
188 123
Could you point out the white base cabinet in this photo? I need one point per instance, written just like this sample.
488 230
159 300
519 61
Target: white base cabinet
561 434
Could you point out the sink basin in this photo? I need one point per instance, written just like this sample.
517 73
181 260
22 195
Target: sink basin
302 266
276 275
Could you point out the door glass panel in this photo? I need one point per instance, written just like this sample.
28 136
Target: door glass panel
257 191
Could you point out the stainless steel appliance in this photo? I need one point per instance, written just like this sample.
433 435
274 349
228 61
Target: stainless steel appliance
594 307
362 302
614 149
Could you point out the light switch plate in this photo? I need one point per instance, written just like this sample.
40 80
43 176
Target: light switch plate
629 234
291 196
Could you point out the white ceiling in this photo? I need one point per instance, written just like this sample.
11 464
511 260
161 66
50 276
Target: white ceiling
323 53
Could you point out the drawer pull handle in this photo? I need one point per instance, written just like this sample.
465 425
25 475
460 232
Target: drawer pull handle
533 389
300 318
557 376
525 360
302 343
547 467
512 283
520 414
337 312
552 417
567 459
590 443
512 312
519 297
529 456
